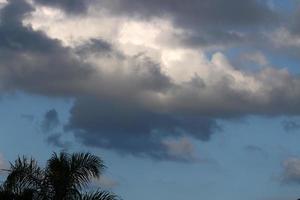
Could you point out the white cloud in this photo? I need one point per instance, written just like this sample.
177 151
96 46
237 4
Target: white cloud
73 30
282 37
153 38
221 86
291 170
182 149
105 182
256 58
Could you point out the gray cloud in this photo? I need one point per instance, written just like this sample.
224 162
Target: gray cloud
92 46
210 22
14 12
254 149
33 62
291 171
49 125
224 101
70 6
211 37
290 125
129 129
55 139
129 103
127 115
199 12
294 24
50 121
210 13
182 149
105 182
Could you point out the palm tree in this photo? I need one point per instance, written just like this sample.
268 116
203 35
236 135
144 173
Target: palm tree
103 195
23 179
63 178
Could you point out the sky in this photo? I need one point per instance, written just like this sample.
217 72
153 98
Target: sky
195 99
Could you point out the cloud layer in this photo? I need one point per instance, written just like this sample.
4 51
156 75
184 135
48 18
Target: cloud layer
148 76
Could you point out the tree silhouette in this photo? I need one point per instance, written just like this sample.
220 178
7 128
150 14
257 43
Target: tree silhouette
64 177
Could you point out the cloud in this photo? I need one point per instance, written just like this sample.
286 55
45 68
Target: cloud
13 12
195 12
208 22
291 171
254 149
128 129
50 121
49 125
290 125
201 12
139 85
31 61
181 149
69 6
105 182
55 139
294 25
255 58
3 165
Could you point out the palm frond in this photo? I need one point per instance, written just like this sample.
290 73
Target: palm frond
57 175
63 177
24 174
84 167
100 195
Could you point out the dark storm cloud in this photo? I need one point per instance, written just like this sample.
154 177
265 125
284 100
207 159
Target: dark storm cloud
128 129
50 121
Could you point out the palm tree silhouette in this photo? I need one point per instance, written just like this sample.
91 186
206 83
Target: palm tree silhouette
64 177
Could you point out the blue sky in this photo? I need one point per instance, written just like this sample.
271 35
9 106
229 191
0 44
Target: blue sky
245 159
197 99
